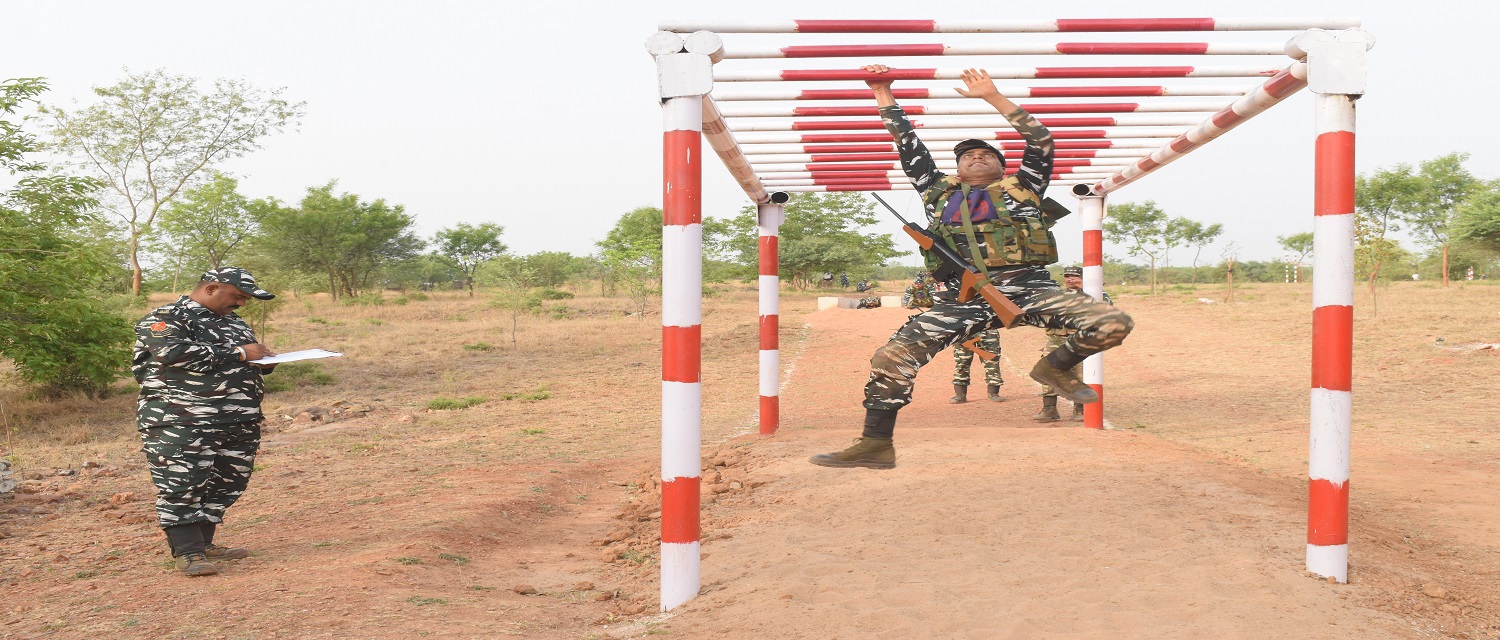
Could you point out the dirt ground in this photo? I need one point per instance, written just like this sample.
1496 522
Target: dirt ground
535 516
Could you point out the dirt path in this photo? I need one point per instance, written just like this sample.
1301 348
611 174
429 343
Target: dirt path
994 526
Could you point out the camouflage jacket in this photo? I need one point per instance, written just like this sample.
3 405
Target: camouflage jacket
918 295
1021 234
189 370
1065 332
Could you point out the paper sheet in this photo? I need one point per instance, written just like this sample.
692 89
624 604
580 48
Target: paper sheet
308 354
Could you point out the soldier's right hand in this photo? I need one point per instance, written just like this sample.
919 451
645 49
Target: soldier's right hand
255 351
876 68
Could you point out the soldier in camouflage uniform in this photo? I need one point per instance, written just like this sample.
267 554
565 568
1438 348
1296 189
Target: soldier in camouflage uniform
1072 281
963 360
919 293
1004 226
199 411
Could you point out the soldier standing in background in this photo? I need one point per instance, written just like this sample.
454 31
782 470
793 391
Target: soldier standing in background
199 411
1073 281
963 360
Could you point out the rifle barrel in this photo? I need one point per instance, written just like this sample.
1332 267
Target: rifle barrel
888 206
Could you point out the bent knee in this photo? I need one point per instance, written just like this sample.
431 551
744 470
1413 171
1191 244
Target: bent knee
1110 329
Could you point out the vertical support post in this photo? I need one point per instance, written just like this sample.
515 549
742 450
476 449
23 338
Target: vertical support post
681 348
769 218
1091 210
1332 339
1336 74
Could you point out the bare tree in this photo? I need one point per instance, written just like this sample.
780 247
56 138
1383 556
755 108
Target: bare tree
153 135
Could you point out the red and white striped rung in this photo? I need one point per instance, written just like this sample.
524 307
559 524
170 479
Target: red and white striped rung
1065 25
1278 88
681 340
890 154
969 108
1061 166
954 135
1130 120
769 217
723 143
1010 148
998 73
833 162
1011 49
1015 93
1332 339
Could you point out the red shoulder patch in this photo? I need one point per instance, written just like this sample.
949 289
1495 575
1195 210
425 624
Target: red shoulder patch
160 330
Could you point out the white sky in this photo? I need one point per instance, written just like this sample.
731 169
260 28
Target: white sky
501 111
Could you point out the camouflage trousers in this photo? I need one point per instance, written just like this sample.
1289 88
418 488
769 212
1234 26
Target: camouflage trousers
893 368
199 471
963 360
1053 342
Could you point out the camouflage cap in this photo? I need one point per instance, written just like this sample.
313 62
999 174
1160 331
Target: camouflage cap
1073 271
974 143
239 279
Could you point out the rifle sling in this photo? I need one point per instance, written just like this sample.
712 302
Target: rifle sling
974 254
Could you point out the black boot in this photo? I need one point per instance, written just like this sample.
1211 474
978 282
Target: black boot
994 390
216 552
1049 410
960 394
1077 412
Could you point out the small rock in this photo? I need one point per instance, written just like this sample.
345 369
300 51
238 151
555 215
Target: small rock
66 472
303 418
76 487
90 464
634 609
736 485
1434 591
1333 580
405 418
607 595
524 589
718 488
584 586
617 535
1449 608
609 555
122 498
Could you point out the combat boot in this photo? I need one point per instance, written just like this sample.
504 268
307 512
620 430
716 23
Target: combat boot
994 390
216 552
1063 382
1077 412
960 394
195 564
1049 410
872 453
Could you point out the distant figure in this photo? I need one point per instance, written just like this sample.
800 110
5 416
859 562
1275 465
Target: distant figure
871 302
963 360
919 293
827 281
843 281
863 286
1416 276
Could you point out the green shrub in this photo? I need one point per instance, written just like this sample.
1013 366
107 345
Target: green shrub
540 393
298 374
316 320
444 404
371 299
548 293
478 346
417 296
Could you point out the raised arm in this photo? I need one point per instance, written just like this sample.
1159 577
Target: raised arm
916 160
1036 161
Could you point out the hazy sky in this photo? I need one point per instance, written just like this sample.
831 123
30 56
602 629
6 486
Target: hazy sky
501 111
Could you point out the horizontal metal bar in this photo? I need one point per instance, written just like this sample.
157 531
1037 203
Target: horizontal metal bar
761 137
736 94
1066 25
973 108
1011 49
1003 73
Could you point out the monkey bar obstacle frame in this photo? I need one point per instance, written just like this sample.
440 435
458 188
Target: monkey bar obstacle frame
776 148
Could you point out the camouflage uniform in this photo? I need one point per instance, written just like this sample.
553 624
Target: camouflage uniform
963 360
918 294
1018 271
1056 338
199 410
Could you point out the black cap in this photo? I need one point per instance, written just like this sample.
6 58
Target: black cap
1073 271
239 279
974 143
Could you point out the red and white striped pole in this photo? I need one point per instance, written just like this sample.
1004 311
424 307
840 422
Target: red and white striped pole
684 77
770 217
1091 211
1336 75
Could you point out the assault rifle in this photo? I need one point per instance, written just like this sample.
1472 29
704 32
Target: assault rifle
973 281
